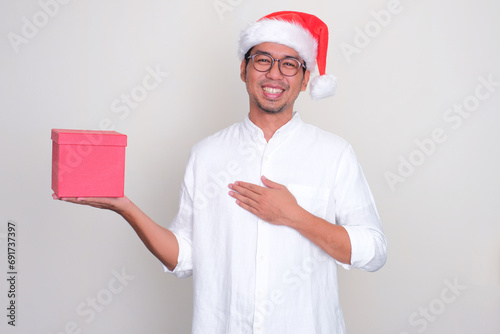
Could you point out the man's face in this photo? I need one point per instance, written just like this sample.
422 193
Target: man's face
271 91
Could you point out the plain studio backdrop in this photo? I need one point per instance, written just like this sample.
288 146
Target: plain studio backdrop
418 98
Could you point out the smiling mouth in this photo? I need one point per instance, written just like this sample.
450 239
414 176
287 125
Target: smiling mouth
272 90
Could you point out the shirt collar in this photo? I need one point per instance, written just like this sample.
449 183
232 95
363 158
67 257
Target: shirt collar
258 134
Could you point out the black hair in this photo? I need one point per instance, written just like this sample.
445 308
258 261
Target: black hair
247 55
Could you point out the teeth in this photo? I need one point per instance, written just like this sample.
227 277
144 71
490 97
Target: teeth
272 90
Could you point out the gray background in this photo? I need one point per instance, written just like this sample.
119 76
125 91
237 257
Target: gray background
402 78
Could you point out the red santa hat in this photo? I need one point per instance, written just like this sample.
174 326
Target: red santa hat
305 33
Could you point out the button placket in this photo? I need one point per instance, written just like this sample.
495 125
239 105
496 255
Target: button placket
261 273
262 261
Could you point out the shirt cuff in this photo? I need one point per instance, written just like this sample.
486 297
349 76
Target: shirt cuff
362 247
184 266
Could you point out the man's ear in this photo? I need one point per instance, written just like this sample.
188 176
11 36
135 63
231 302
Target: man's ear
243 70
307 74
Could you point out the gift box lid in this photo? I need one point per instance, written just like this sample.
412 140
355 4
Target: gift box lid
88 137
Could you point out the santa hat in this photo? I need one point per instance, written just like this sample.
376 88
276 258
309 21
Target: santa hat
305 33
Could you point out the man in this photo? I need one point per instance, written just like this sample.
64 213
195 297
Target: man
264 252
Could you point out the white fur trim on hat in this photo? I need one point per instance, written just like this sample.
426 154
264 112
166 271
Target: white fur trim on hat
323 86
282 32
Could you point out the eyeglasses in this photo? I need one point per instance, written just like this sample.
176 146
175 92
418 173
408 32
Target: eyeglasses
288 66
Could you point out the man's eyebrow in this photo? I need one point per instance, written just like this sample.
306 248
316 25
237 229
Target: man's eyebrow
262 52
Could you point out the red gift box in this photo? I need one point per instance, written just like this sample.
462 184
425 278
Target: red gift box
88 163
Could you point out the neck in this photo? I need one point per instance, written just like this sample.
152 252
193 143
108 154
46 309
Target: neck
269 123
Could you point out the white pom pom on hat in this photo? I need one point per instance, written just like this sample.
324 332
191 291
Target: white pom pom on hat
305 33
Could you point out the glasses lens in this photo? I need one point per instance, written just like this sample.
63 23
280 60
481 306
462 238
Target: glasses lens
289 66
262 63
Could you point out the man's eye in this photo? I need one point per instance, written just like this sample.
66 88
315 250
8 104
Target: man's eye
290 64
262 60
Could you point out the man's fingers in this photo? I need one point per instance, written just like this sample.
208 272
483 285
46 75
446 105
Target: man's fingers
241 186
242 198
271 184
247 189
70 199
83 201
250 186
96 202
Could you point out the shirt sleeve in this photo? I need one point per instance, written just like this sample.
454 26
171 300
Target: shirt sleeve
184 266
356 211
182 225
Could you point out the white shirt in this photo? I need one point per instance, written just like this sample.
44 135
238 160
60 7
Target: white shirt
250 276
